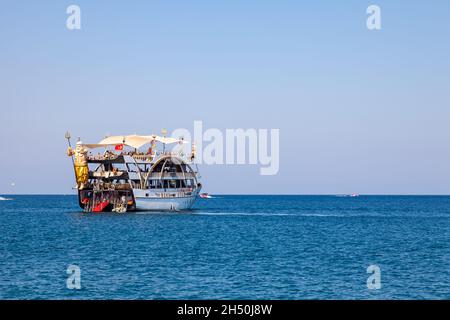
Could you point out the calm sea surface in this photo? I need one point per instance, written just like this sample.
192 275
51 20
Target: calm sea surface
229 247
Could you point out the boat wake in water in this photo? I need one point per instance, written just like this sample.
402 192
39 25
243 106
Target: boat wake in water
206 196
5 199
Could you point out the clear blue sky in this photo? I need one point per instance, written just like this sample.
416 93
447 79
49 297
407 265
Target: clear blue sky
358 110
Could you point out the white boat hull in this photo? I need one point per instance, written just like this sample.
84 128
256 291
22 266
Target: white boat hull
165 204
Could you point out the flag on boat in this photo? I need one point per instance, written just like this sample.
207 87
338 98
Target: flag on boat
119 147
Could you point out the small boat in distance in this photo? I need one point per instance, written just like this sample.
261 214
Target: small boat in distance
126 178
5 199
351 195
205 196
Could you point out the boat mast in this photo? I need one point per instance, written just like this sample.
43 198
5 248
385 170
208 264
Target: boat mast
164 133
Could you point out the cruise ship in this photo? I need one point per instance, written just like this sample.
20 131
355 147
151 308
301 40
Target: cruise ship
134 173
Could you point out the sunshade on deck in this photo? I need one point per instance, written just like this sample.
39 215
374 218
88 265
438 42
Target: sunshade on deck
134 141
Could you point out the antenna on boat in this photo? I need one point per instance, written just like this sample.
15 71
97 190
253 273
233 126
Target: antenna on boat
164 133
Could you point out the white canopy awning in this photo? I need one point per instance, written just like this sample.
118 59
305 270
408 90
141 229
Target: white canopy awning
165 140
134 141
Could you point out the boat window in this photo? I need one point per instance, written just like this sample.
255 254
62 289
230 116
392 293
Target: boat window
143 168
154 184
132 167
136 184
119 166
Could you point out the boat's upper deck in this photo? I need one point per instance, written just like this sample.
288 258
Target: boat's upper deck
135 162
131 157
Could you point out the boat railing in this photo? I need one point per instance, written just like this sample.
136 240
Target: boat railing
144 157
170 153
102 157
173 190
171 175
111 187
136 155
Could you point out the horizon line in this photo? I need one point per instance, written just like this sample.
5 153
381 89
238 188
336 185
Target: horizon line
254 194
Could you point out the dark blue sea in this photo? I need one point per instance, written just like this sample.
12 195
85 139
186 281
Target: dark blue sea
229 247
